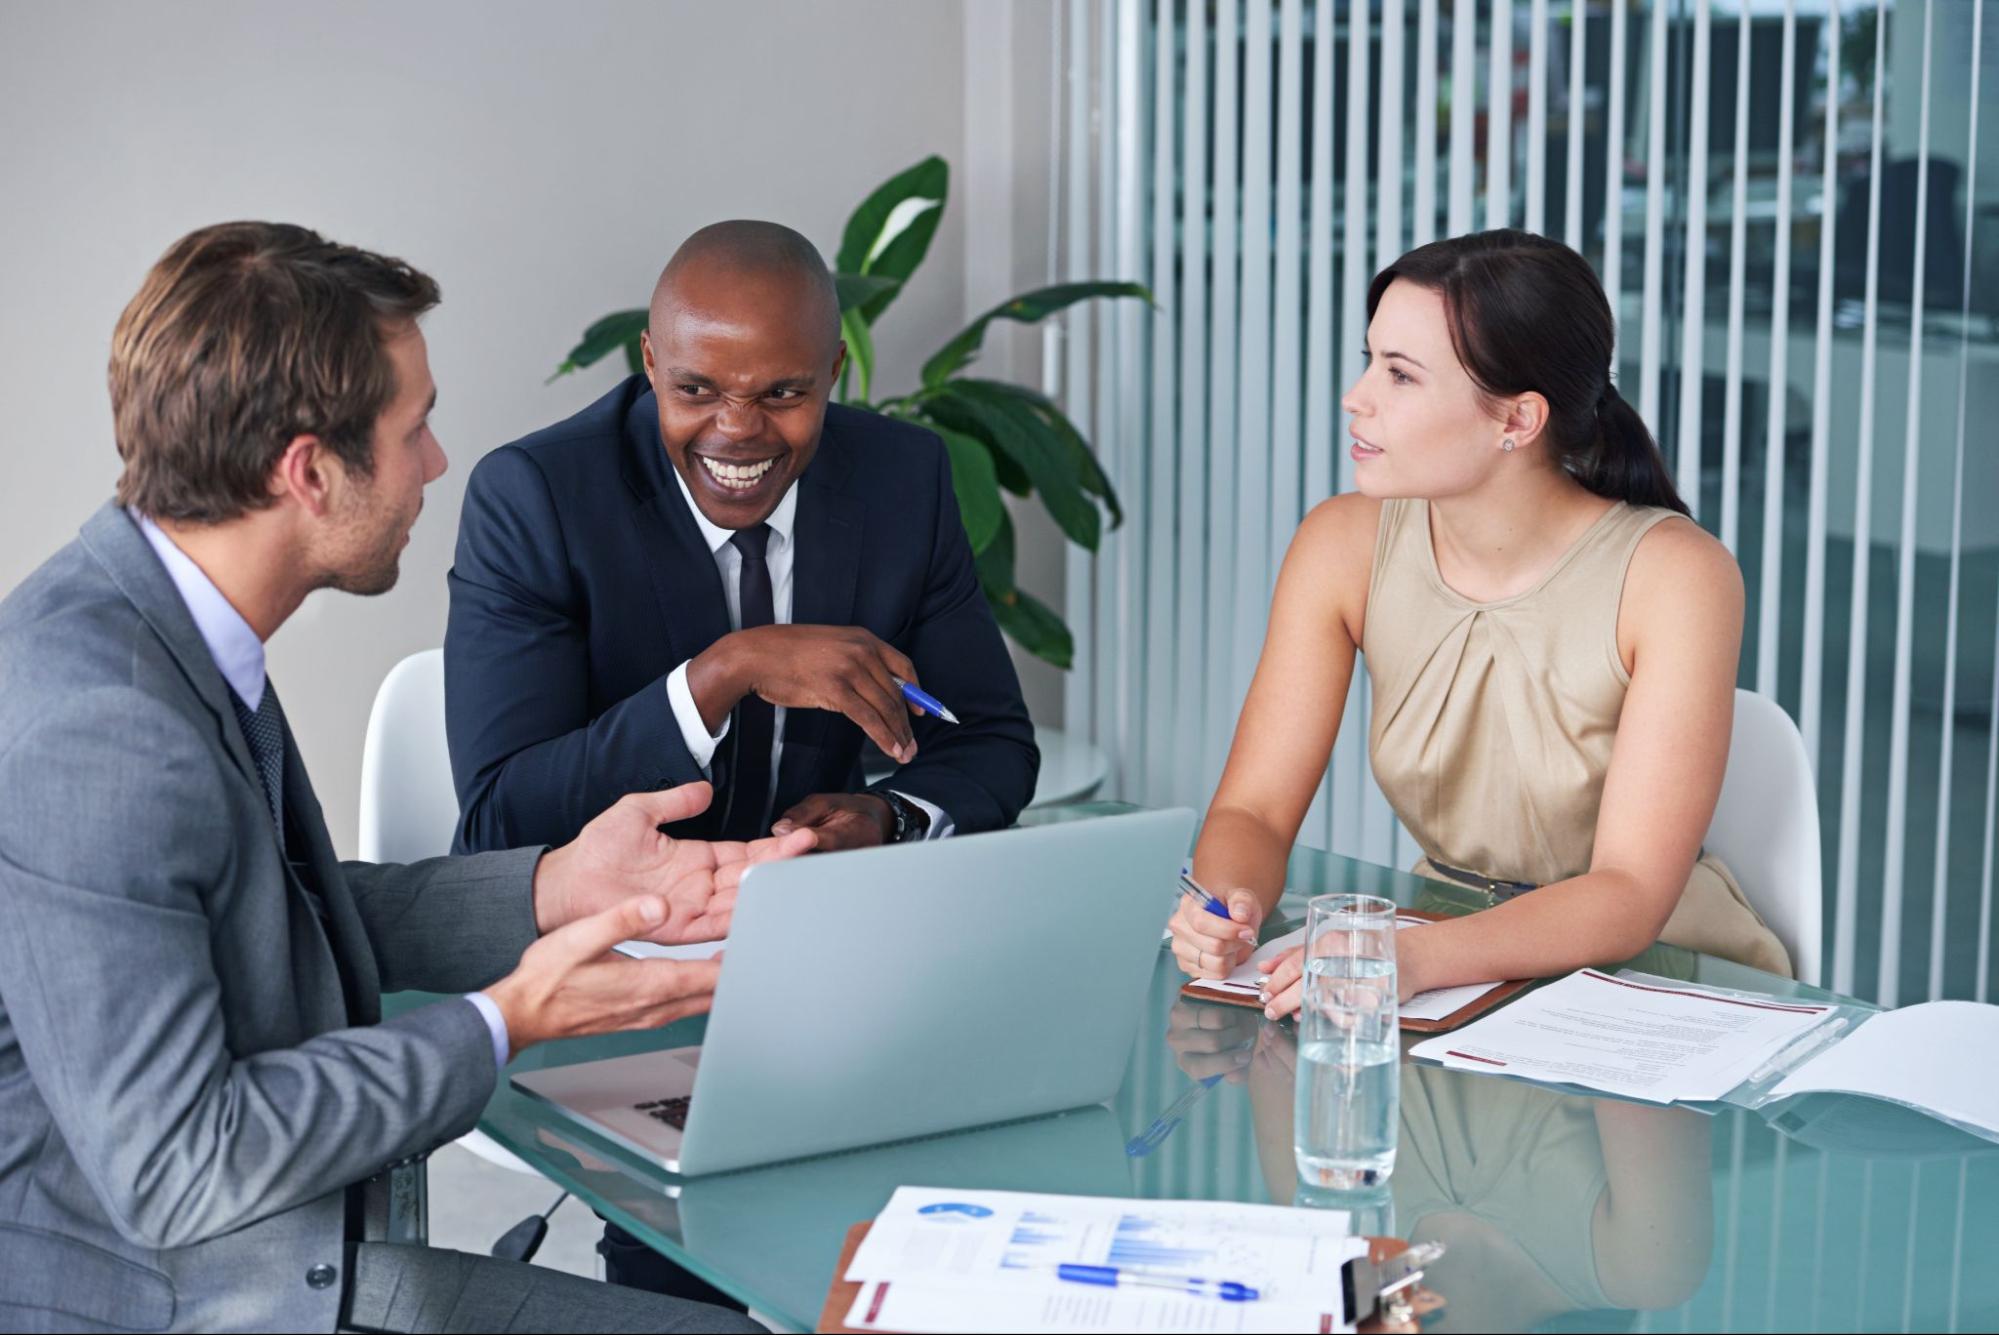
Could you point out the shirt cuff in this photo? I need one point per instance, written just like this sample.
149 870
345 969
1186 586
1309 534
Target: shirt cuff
941 825
701 743
496 1025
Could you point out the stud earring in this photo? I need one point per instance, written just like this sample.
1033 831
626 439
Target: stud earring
1506 445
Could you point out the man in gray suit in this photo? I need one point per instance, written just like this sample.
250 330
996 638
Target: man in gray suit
199 1098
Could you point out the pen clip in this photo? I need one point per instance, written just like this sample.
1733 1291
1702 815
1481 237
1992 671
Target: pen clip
1799 1048
1199 893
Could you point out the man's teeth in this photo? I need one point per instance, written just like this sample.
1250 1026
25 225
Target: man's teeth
737 477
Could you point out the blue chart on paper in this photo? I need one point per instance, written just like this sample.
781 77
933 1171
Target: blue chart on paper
1136 1245
1131 1240
1039 1240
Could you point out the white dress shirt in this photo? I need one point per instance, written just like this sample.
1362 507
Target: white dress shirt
780 556
239 657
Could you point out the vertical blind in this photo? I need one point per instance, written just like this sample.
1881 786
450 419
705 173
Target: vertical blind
1783 200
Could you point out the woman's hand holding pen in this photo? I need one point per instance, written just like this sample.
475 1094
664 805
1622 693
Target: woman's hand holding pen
1208 945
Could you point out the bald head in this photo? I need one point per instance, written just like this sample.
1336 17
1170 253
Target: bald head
747 262
743 352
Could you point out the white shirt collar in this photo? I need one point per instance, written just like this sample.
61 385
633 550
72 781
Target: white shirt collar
238 653
781 519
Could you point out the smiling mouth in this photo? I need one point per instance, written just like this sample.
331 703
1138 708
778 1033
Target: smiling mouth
736 477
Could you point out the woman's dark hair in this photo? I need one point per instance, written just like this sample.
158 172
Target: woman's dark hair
1528 314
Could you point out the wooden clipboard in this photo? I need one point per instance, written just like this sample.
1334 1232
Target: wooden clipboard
840 1298
1199 989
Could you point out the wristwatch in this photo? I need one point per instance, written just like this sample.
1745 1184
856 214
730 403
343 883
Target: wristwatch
911 821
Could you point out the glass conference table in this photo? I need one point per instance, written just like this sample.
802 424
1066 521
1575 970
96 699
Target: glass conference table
1560 1212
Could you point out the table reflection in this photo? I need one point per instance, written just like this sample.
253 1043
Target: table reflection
1549 1204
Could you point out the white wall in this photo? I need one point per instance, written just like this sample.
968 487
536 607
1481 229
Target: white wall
1003 192
540 161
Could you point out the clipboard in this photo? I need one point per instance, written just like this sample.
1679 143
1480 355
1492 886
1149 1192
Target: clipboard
1200 989
1405 1318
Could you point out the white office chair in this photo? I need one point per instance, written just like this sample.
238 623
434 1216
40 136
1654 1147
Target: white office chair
1072 768
1766 827
409 806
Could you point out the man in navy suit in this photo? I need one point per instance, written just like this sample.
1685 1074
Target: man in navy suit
714 573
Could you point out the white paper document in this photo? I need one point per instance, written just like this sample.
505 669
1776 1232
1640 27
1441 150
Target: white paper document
1632 1034
963 1261
1432 1005
652 950
1936 1057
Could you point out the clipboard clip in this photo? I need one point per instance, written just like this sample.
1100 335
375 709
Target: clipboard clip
1384 1288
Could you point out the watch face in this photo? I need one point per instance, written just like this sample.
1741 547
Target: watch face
910 820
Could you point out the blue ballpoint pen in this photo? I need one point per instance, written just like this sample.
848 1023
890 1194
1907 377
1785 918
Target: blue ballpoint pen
1189 886
1111 1276
925 701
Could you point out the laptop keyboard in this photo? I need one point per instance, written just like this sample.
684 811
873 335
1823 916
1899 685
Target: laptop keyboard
671 1111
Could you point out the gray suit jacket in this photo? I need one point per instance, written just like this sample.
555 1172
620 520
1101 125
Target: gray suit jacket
186 1088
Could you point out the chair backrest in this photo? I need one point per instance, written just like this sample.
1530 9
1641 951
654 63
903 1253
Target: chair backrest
409 806
1766 827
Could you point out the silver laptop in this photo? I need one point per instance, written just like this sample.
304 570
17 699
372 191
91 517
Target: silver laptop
895 992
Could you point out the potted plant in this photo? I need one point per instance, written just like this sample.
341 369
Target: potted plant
999 435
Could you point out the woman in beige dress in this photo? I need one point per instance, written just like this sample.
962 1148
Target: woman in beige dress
1551 644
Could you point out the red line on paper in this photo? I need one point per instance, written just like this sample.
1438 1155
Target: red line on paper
1453 1052
875 1307
1707 996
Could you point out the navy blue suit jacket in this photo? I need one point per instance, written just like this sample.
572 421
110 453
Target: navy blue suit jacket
581 581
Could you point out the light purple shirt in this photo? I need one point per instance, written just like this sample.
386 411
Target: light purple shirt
239 657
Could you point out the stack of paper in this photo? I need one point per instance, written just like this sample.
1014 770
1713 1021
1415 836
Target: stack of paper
1634 1034
1432 1005
951 1261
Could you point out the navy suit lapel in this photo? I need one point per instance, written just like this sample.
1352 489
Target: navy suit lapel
825 570
685 581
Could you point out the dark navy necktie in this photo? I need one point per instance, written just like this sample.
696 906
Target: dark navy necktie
264 729
756 719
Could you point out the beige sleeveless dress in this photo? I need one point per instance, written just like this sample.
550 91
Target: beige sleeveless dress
1493 722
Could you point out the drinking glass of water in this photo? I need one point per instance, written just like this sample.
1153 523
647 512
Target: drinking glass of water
1349 1057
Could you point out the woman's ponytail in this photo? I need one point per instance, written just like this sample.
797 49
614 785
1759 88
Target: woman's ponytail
1621 460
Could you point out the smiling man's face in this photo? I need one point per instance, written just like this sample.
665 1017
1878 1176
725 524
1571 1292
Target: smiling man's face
743 366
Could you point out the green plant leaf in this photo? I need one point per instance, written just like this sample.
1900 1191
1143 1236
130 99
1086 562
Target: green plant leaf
857 289
1014 429
1037 629
614 331
1010 475
889 234
1027 308
860 355
1034 627
1089 473
995 563
976 486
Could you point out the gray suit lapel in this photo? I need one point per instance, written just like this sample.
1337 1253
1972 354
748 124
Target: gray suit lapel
117 545
114 540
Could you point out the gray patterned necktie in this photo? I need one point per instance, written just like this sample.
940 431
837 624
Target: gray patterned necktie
264 729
